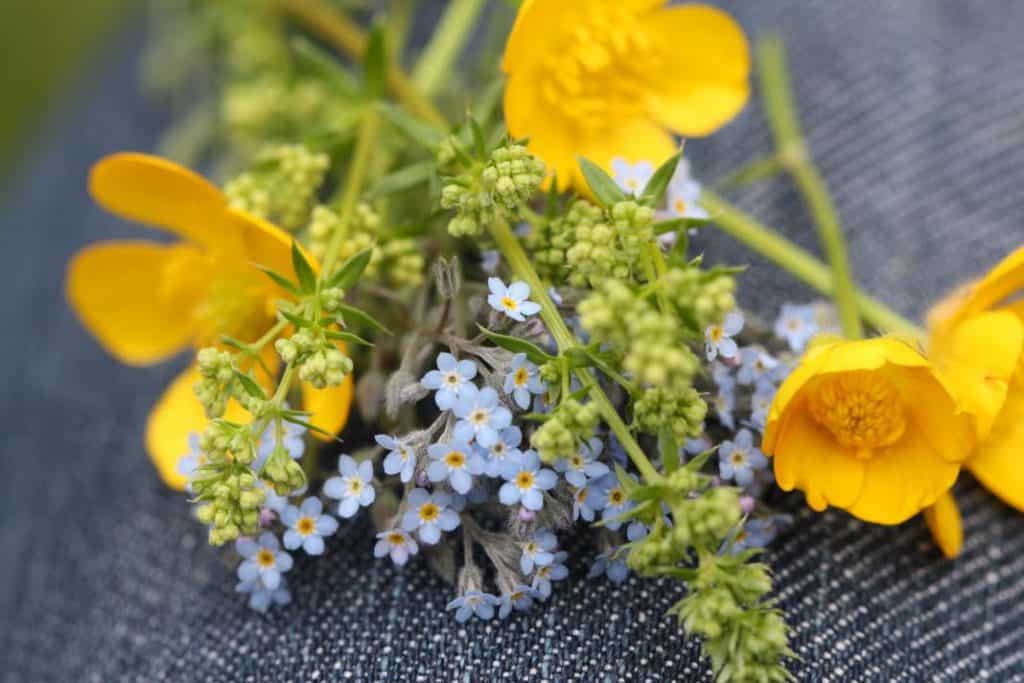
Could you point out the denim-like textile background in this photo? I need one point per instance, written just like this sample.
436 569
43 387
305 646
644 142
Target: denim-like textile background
913 109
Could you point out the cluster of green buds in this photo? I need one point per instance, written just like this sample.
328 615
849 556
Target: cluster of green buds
649 339
217 383
319 360
396 261
682 412
745 636
491 189
281 185
224 485
571 423
605 244
705 295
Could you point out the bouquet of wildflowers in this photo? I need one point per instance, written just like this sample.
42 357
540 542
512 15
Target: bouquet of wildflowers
464 304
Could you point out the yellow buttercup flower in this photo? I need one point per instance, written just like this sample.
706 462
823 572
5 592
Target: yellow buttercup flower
603 79
147 301
869 427
976 338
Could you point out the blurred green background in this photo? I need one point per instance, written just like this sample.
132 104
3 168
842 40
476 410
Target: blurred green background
44 46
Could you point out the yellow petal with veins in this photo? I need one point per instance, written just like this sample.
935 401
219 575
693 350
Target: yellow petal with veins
127 295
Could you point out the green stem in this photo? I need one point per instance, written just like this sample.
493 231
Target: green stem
654 268
521 267
444 47
337 30
812 272
792 153
353 184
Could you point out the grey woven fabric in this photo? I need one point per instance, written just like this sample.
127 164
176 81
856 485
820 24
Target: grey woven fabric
912 108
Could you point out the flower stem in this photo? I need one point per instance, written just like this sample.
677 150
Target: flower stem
794 157
444 47
765 241
521 267
336 29
353 184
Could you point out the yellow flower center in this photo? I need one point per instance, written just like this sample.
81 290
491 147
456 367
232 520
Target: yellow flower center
265 558
524 480
715 333
395 538
429 512
600 74
355 485
521 377
862 409
679 205
509 303
478 416
305 526
616 496
455 459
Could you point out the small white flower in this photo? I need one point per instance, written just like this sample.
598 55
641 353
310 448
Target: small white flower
400 459
738 459
523 380
451 378
397 543
756 365
429 514
684 194
718 338
307 526
511 300
353 488
797 325
632 178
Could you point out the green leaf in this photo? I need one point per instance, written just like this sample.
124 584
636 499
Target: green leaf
697 462
656 492
516 345
628 482
654 190
250 385
294 319
479 144
375 63
282 282
322 63
350 271
233 343
669 449
601 184
310 427
347 337
578 357
362 319
404 178
415 129
304 271
680 224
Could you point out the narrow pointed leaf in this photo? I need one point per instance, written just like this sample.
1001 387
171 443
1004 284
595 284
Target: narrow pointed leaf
654 190
281 281
354 315
601 184
350 271
416 130
516 345
303 271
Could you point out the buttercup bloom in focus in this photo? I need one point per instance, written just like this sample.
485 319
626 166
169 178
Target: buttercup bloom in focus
146 301
867 426
603 79
976 338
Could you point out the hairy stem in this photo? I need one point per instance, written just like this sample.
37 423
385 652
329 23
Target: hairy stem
444 47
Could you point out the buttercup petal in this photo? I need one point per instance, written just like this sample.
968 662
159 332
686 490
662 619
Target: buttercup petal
999 284
704 81
943 520
160 193
998 462
120 292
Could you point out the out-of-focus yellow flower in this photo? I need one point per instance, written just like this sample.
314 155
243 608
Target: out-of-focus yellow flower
147 301
603 79
976 338
869 427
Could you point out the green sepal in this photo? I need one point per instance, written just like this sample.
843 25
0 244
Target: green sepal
697 462
303 271
669 449
601 184
654 190
516 345
479 143
350 271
